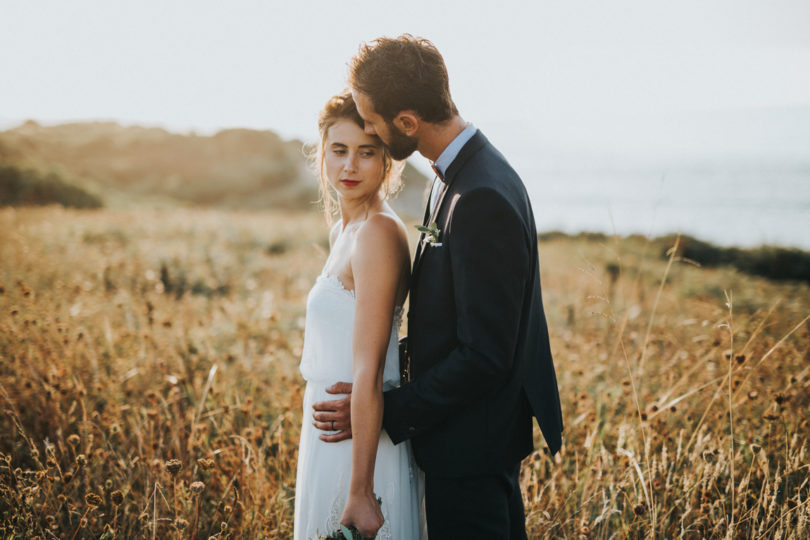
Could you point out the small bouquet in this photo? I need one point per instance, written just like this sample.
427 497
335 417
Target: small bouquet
346 533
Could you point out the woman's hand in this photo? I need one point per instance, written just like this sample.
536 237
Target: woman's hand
363 512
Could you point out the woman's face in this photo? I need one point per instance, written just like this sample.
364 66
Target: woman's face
354 161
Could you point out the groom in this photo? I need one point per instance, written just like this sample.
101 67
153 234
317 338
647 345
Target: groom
478 357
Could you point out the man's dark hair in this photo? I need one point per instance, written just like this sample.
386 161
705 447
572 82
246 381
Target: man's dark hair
403 73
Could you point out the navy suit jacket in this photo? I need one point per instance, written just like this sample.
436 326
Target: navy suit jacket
480 364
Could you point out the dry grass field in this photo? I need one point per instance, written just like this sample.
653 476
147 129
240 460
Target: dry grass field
149 384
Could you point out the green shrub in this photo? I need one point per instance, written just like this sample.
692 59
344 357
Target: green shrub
29 188
766 261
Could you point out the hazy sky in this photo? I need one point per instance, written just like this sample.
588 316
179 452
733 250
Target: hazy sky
569 75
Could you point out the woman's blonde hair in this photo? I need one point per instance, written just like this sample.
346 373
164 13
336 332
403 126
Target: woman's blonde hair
342 107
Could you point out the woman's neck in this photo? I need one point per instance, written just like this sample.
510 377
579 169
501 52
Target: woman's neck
357 211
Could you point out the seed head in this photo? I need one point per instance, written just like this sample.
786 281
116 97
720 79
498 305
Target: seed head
180 524
73 440
639 509
81 460
174 466
197 487
92 499
205 463
117 497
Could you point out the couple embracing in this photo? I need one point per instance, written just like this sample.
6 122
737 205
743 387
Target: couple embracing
434 426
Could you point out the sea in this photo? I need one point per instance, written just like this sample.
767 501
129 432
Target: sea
744 208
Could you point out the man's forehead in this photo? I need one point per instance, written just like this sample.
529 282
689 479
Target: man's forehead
363 102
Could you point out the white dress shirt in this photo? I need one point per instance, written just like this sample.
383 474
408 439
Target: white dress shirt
446 159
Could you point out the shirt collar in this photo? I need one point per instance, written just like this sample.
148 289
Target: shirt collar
451 150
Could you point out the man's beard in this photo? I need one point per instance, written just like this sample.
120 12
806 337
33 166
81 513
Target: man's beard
400 146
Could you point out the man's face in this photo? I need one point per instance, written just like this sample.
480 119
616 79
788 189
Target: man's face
400 146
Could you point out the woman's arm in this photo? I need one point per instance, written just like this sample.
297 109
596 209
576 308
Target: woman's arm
377 262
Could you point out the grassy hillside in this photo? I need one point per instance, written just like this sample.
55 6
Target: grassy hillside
776 263
148 376
235 168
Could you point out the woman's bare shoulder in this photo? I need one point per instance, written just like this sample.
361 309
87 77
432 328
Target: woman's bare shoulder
383 227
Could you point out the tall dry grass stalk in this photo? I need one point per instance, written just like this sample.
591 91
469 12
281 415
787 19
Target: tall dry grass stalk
132 339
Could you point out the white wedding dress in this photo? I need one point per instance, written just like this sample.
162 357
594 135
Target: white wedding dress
324 469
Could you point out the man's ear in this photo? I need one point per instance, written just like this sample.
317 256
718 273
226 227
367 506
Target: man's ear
407 122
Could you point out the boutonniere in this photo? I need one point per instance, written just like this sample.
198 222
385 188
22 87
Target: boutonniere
432 232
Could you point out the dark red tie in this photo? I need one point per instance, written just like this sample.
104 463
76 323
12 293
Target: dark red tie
437 171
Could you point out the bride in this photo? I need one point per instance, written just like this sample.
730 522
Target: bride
353 313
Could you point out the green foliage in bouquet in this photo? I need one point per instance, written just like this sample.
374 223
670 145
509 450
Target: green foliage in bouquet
349 533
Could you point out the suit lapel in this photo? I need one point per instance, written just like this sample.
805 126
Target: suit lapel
471 147
425 223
